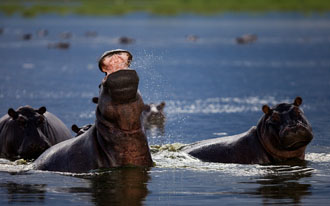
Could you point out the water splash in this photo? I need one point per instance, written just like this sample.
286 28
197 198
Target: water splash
18 166
172 156
146 64
221 105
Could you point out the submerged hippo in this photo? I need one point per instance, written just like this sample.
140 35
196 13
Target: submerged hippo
116 139
27 132
247 38
282 133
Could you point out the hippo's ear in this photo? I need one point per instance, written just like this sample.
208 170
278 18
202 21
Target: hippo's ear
266 109
146 107
95 100
75 128
12 113
161 106
41 110
298 101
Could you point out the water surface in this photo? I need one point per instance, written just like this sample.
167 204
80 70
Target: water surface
212 87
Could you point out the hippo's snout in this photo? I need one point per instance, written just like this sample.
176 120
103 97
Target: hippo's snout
32 147
155 116
296 136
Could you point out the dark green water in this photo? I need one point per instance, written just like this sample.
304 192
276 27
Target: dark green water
212 87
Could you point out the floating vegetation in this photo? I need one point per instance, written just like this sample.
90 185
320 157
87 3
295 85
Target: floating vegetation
175 147
21 162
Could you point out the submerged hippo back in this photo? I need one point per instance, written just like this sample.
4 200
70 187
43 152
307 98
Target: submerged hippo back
119 101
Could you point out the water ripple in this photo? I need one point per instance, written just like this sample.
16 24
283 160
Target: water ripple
318 157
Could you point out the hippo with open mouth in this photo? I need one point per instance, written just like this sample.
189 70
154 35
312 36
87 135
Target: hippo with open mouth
116 139
282 133
27 132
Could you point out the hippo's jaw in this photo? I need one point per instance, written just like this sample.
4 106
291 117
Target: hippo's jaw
296 136
33 147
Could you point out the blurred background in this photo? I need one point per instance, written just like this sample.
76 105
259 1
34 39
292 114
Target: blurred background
214 64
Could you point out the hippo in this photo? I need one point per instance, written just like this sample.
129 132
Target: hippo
192 38
126 40
281 134
27 132
59 45
154 114
153 118
115 140
246 39
27 36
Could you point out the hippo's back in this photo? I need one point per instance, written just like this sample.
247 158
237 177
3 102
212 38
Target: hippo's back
56 129
72 155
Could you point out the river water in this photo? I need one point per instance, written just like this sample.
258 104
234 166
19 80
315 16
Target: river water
212 87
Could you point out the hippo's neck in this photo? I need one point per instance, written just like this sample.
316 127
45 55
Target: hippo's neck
122 148
278 154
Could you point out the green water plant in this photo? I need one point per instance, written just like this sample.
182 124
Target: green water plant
29 8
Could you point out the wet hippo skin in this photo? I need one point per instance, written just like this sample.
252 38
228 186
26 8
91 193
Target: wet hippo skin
27 132
116 139
281 134
80 130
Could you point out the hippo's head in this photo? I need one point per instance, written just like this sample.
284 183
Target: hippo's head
80 130
154 114
27 131
284 130
153 119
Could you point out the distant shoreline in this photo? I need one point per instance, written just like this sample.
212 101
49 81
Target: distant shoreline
160 7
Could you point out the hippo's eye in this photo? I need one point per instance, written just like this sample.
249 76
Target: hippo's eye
275 118
22 121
